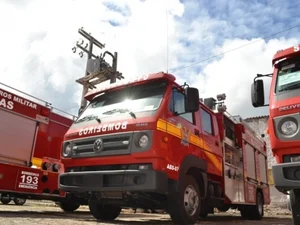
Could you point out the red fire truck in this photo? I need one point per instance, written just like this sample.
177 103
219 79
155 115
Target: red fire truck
284 120
31 135
151 143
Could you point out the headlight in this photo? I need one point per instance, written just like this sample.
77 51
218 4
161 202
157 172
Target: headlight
295 158
143 141
289 127
67 150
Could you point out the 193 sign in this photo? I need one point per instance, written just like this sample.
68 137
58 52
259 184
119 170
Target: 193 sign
28 180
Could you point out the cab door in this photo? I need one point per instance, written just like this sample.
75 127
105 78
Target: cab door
211 141
180 126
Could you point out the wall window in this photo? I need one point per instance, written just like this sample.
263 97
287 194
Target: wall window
177 106
206 121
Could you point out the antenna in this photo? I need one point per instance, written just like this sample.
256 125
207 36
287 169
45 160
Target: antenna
167 36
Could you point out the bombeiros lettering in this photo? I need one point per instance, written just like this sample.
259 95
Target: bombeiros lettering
103 128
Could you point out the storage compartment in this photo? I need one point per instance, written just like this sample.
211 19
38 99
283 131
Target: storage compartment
17 136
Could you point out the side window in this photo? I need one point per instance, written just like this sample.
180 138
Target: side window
206 121
177 106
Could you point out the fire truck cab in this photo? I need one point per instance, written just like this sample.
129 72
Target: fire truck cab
284 120
151 143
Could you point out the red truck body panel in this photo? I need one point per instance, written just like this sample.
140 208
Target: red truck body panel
30 140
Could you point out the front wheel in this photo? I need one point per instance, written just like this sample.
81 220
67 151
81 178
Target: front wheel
19 201
184 207
69 205
295 205
104 212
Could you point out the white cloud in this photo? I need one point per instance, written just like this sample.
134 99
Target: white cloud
233 74
37 38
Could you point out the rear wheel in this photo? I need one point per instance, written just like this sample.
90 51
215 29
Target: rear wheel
104 212
254 212
295 205
184 208
5 200
19 201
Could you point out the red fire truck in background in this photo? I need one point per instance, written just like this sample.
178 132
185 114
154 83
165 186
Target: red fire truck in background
31 135
284 121
151 143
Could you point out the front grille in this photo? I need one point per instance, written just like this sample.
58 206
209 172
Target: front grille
107 167
115 144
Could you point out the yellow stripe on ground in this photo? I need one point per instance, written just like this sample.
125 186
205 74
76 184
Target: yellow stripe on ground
174 130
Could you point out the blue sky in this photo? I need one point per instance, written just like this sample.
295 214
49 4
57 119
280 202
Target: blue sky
146 33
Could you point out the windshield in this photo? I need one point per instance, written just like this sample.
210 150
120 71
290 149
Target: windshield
288 77
129 100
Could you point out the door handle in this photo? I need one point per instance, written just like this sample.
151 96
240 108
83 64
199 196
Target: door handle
197 132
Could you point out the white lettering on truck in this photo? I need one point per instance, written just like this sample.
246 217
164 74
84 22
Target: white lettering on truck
288 107
7 101
104 128
6 104
25 102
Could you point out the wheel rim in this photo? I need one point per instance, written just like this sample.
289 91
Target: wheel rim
20 200
191 200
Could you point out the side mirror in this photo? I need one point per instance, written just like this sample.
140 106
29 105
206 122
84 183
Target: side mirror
192 99
257 93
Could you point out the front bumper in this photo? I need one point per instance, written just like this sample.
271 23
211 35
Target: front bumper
114 181
286 176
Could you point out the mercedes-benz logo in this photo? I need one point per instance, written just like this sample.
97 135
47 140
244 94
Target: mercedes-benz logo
98 145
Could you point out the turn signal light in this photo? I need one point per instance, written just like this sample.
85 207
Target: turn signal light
165 139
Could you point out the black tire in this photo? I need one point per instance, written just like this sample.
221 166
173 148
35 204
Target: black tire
289 203
19 201
187 199
295 205
203 214
245 213
5 200
223 208
69 205
254 212
104 212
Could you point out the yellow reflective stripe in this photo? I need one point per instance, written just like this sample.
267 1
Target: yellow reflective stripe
174 130
37 162
161 125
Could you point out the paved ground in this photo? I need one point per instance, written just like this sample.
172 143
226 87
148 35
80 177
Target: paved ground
33 213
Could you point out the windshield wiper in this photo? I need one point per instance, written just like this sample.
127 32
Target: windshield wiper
88 118
110 112
290 87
